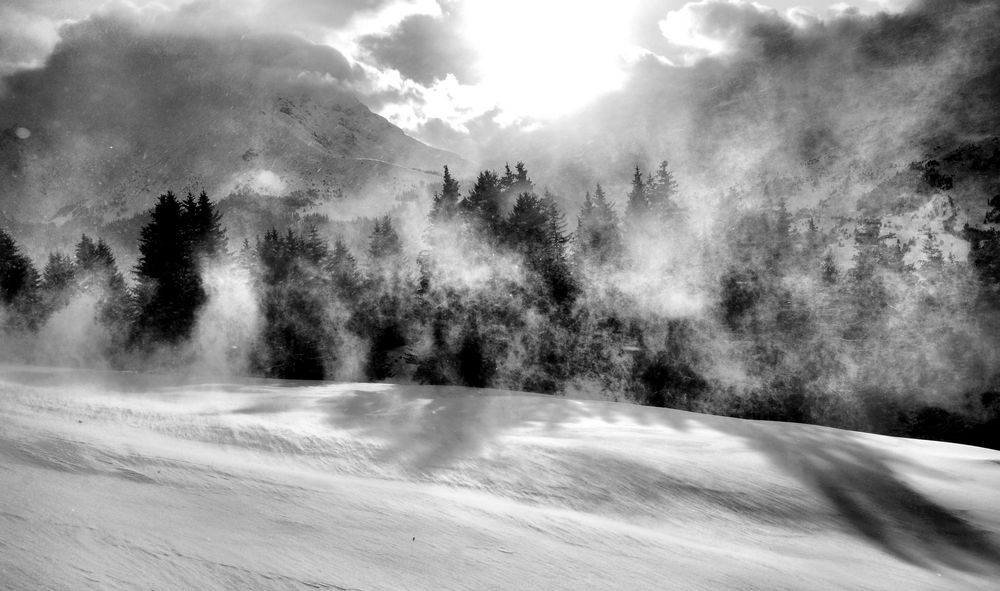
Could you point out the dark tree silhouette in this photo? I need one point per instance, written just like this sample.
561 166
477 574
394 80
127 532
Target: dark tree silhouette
58 283
446 202
598 236
172 247
19 285
637 204
297 340
984 251
384 242
483 206
662 194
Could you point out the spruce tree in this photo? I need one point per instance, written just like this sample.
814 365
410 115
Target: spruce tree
384 242
637 205
984 250
344 273
662 194
483 208
18 277
446 202
58 283
598 237
297 340
169 289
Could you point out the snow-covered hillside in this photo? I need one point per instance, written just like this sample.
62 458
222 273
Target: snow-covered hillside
125 481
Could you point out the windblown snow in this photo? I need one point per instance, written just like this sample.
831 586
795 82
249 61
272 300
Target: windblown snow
126 481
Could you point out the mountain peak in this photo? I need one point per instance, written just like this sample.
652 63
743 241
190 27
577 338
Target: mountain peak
117 120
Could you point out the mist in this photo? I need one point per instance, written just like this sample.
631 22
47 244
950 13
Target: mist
820 251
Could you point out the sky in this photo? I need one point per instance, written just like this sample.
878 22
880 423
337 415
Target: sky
441 68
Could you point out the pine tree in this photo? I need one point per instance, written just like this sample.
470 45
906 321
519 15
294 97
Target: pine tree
96 273
58 282
526 227
638 199
16 270
662 193
483 208
384 242
297 340
206 230
828 268
344 272
556 269
984 250
933 256
169 288
446 203
598 237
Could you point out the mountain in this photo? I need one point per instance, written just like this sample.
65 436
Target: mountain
119 114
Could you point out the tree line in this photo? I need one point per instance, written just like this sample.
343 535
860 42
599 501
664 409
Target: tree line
499 292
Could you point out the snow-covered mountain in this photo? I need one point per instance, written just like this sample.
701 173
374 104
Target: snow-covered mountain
117 116
130 481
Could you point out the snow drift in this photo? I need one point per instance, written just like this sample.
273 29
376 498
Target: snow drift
128 481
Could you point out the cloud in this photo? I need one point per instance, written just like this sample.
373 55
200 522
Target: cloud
424 48
786 93
25 39
717 27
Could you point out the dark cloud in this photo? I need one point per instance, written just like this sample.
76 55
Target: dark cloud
424 48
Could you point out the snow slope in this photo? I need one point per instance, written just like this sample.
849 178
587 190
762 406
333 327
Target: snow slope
126 481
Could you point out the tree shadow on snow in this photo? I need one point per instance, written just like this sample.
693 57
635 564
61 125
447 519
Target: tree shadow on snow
429 429
858 480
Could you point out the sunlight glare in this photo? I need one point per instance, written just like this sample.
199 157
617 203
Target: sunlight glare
545 58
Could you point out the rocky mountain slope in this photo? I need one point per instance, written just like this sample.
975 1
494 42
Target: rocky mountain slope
117 116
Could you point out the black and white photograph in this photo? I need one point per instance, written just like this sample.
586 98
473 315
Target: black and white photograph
377 295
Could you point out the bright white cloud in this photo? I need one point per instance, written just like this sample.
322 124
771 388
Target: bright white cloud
534 59
543 59
713 27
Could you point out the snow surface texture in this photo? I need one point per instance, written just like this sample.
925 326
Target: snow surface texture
126 481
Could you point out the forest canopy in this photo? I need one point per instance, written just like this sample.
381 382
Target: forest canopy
757 316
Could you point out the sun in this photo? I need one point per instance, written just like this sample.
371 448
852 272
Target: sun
544 58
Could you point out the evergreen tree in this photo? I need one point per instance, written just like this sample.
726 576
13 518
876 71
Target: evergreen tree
526 227
556 269
483 206
96 273
297 338
637 206
58 282
516 182
446 202
169 289
828 269
205 229
984 250
384 242
598 237
661 193
344 273
933 257
19 285
17 274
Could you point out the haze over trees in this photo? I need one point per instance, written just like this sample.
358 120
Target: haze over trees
501 291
